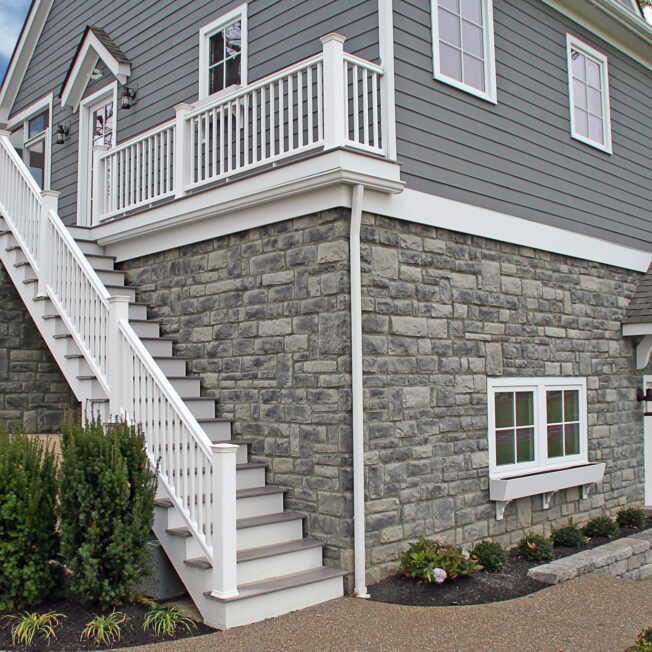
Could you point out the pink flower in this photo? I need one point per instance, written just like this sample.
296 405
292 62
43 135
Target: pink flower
440 575
440 541
466 555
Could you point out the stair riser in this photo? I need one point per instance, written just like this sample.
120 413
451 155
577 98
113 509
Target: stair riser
236 614
250 478
146 329
259 505
93 389
158 347
135 311
172 367
218 431
204 409
186 386
258 570
90 248
100 263
267 535
111 277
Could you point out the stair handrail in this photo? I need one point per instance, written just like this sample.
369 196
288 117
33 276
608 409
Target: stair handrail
114 325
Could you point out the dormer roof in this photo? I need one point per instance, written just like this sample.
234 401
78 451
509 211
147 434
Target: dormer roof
95 44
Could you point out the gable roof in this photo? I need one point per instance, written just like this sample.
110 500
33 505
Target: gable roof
95 44
639 310
22 55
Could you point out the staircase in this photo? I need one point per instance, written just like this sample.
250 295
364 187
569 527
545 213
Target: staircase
241 557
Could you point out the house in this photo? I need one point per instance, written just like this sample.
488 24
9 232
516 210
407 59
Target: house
362 270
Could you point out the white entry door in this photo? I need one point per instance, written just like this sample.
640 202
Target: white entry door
647 448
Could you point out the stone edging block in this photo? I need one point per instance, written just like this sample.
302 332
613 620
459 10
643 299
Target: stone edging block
599 560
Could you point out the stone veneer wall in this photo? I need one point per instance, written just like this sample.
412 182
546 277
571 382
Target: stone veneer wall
34 395
264 317
442 312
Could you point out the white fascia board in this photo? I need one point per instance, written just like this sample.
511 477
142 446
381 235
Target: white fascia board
292 186
613 23
637 329
23 55
423 208
91 50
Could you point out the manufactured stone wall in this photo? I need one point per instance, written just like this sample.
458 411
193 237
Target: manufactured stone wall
34 395
442 312
263 317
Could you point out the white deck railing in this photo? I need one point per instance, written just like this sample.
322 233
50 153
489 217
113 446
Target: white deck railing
198 476
330 100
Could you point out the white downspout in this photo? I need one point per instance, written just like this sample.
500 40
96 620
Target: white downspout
356 395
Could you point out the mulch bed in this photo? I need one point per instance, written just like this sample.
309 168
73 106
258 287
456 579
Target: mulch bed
479 588
77 616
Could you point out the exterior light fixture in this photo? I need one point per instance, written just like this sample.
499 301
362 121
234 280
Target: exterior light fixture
128 97
647 397
61 133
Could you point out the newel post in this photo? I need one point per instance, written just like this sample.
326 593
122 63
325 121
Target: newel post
118 311
182 155
225 579
335 109
49 202
99 184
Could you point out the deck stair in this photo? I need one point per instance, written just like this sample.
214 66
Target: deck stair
241 557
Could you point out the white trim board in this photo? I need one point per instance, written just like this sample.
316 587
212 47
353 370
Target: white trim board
423 208
637 329
22 56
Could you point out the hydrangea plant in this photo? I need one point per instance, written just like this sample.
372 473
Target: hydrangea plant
434 560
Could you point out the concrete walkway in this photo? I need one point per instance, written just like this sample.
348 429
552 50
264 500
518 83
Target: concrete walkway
588 614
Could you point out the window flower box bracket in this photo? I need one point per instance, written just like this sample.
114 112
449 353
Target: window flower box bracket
544 483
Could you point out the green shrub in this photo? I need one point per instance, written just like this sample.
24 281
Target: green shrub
630 517
491 555
106 509
28 540
600 526
569 536
534 547
435 561
643 642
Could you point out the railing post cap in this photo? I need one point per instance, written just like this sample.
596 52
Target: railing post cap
183 106
4 131
333 36
100 148
224 448
50 193
120 298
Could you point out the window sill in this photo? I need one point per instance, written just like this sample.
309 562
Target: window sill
544 483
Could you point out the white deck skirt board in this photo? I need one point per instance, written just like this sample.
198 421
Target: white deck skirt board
424 208
637 329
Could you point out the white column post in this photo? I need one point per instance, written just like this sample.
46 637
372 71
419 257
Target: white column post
387 90
225 580
182 154
98 209
49 202
118 311
335 109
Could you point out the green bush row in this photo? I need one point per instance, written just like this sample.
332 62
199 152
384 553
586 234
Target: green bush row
87 520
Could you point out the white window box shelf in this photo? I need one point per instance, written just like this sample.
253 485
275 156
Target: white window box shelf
544 483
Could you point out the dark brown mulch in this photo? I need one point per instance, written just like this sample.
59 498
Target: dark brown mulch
77 616
478 588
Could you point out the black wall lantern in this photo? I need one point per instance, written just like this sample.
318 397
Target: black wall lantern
128 97
647 397
61 132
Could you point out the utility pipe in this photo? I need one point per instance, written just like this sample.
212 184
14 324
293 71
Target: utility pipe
356 395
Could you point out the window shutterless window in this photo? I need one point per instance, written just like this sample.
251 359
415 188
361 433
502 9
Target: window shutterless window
536 424
463 45
588 84
30 135
223 53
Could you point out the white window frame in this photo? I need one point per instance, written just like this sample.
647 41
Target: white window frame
573 43
85 159
541 462
25 116
205 33
490 92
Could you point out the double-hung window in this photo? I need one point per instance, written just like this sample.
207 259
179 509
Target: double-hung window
588 83
30 135
463 45
223 53
536 424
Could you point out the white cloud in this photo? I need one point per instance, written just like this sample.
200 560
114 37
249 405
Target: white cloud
12 17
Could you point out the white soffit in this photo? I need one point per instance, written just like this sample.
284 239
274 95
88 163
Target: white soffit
22 55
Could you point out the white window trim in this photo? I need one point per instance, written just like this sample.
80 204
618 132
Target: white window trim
85 161
541 461
573 43
490 94
239 13
29 112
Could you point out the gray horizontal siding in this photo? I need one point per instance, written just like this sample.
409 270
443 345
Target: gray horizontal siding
518 157
161 39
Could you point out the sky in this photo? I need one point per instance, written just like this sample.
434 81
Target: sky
12 16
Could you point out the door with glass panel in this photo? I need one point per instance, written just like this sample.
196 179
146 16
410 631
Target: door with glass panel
32 142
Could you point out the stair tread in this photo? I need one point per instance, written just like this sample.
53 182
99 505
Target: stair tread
278 549
239 442
162 502
260 491
198 562
252 465
268 519
217 420
179 532
282 582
